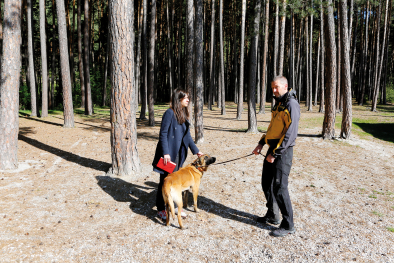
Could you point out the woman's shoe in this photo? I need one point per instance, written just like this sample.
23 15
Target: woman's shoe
162 214
183 214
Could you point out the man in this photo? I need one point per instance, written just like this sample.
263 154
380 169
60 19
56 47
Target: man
280 136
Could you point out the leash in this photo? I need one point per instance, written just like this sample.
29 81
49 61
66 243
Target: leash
199 166
236 159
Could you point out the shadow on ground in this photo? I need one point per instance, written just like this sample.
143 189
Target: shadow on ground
382 131
143 199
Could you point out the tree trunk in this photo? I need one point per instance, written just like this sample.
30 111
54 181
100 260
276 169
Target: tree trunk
144 85
365 62
282 39
169 51
125 160
346 127
223 90
321 106
328 131
310 65
241 67
65 65
9 87
212 55
199 106
44 63
264 65
31 71
276 40
106 74
252 121
379 65
80 62
189 55
339 63
151 66
317 70
86 43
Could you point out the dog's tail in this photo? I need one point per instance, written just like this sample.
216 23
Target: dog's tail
168 201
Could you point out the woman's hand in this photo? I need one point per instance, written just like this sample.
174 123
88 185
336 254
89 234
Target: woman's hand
167 158
199 154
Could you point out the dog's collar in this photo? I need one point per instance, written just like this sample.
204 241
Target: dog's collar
198 167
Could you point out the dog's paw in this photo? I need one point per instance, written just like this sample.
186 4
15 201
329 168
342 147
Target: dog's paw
196 210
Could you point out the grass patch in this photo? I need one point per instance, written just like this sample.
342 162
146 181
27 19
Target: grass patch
377 213
391 229
377 192
373 196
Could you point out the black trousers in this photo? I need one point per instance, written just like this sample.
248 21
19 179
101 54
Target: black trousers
274 182
159 197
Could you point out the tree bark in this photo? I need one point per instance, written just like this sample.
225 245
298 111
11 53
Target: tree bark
321 106
44 64
379 65
212 55
264 65
144 85
9 87
65 65
252 121
310 64
241 67
189 55
223 90
151 66
276 40
317 71
346 127
328 131
282 38
199 106
365 62
80 61
86 43
31 71
125 160
169 51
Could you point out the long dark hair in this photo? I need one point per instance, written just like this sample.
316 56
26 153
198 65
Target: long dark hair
181 113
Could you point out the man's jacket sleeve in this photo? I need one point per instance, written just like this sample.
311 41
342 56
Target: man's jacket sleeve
292 131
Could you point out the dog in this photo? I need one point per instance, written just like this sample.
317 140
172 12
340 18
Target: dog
188 177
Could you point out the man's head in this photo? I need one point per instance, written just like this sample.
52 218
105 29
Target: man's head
279 86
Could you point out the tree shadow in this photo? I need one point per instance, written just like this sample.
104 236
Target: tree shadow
83 161
25 116
309 135
382 131
143 198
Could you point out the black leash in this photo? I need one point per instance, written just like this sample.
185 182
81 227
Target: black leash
236 159
199 166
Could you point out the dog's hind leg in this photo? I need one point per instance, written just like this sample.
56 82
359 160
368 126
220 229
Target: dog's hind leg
178 200
168 214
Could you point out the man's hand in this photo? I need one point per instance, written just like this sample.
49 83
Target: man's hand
167 158
257 150
199 154
270 158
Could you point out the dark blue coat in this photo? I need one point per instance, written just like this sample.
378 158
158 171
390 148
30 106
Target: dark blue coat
172 137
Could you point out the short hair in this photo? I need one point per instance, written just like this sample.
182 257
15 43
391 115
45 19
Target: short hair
281 79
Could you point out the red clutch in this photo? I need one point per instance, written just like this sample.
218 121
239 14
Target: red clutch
168 168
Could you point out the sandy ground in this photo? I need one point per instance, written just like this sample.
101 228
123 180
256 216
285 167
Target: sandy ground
60 206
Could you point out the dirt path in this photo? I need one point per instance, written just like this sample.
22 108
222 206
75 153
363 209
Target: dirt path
60 206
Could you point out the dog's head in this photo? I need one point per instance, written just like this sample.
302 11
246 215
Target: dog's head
203 162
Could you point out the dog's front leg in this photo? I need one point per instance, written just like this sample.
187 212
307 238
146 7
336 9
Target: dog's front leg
195 195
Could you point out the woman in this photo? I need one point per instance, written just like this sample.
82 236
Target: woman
174 141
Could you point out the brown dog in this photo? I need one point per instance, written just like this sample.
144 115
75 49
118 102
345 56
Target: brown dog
188 177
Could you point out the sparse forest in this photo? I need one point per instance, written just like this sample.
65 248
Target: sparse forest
334 53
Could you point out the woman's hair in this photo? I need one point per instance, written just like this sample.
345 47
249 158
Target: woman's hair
181 113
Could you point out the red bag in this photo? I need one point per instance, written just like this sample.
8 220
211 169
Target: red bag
168 168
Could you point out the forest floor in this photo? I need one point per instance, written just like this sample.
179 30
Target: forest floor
60 206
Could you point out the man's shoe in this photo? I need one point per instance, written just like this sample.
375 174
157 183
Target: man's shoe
267 219
281 232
